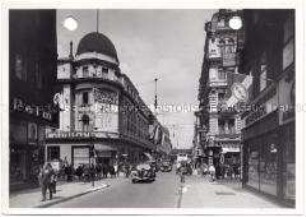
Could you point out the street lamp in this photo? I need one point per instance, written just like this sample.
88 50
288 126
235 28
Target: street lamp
91 157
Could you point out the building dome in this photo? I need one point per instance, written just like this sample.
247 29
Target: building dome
97 42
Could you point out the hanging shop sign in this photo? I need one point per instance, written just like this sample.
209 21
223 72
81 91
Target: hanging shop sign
21 106
32 132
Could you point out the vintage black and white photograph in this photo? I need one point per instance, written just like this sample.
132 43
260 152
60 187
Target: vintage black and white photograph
152 108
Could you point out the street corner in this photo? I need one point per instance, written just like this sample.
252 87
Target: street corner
100 187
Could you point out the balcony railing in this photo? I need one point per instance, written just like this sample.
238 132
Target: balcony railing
221 80
63 134
228 136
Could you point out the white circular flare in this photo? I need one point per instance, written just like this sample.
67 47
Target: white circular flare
235 22
70 23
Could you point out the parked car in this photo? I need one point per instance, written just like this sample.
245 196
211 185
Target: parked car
166 166
142 172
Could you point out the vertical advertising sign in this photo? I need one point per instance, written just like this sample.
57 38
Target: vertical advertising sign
106 109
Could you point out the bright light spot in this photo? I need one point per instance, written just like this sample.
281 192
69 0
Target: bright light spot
235 22
70 23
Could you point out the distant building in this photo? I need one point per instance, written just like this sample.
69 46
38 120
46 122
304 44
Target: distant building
101 109
32 75
218 125
269 124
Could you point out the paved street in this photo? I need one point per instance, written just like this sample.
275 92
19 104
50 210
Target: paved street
197 192
159 194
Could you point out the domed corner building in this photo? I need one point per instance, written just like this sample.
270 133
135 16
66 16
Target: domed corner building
102 117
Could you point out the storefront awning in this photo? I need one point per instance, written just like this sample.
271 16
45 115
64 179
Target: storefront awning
102 147
230 150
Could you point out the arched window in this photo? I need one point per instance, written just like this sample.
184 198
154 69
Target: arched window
85 123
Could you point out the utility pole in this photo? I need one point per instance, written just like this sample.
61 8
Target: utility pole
97 20
155 97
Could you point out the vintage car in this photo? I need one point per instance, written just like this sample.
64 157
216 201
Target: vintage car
166 166
142 172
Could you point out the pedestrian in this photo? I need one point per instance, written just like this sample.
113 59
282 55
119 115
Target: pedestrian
86 174
236 171
53 182
212 172
92 172
104 170
79 172
46 175
116 169
112 171
230 172
99 171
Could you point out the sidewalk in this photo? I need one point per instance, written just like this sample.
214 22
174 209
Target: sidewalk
65 191
198 192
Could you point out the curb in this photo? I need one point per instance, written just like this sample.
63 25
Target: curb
72 197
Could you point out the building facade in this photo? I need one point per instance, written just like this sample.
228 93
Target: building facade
269 120
32 74
100 109
221 91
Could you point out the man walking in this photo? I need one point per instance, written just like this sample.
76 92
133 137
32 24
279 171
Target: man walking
212 172
46 175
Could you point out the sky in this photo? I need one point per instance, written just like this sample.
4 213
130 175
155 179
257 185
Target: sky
163 44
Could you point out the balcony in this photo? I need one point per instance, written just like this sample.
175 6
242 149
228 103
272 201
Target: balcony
219 80
79 77
63 134
228 136
83 135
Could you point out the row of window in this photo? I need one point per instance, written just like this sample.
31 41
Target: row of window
85 70
28 70
227 126
134 123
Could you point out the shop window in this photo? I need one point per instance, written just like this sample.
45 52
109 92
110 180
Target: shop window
253 166
53 153
289 153
268 168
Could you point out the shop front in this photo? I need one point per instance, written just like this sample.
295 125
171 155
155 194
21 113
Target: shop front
288 191
267 156
263 163
25 157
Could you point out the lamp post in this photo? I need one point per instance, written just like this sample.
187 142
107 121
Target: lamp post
91 169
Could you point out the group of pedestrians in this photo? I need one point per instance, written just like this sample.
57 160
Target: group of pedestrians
95 172
48 176
221 171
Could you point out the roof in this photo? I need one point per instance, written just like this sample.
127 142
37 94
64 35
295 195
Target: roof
97 42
